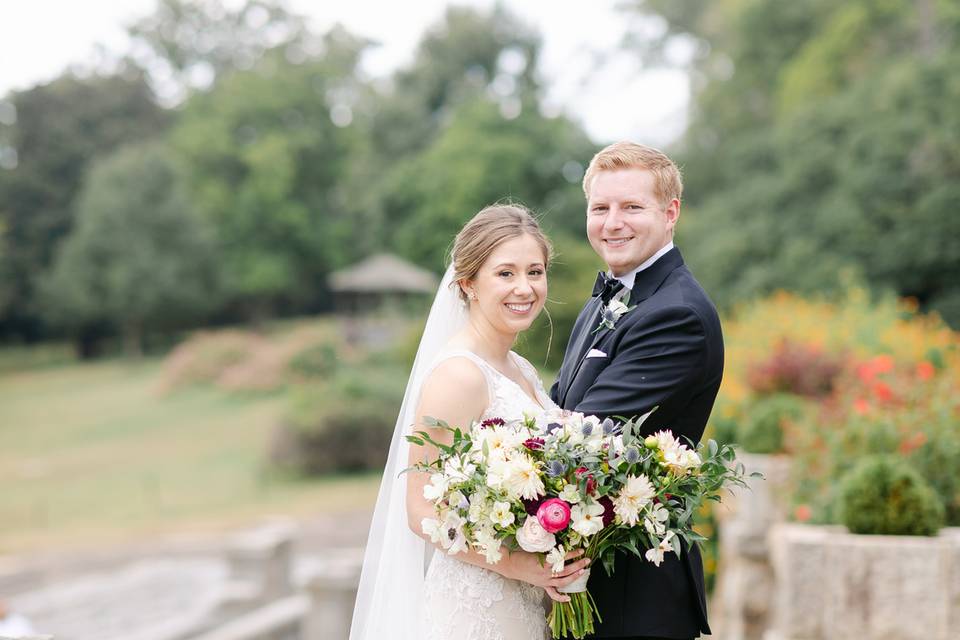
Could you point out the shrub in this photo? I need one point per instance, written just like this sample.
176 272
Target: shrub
884 495
343 425
853 324
910 410
762 427
796 368
314 361
347 437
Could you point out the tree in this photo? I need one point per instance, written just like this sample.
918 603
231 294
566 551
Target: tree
139 258
823 141
265 151
187 45
480 158
56 131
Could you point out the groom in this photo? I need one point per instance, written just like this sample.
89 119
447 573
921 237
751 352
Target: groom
665 351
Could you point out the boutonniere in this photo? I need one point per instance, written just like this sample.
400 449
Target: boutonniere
614 310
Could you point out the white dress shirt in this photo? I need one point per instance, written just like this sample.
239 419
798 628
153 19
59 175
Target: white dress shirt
628 278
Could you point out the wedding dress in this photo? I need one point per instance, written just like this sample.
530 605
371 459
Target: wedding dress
399 596
466 602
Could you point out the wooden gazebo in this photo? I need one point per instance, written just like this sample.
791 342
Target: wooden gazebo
380 281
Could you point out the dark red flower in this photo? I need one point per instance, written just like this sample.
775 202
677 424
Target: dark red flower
531 506
591 485
591 482
493 422
607 510
534 444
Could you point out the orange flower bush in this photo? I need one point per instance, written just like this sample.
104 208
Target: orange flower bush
856 326
894 388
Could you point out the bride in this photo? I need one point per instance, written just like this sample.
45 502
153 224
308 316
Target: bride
464 371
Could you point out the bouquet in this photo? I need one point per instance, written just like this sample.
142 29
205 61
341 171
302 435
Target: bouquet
563 481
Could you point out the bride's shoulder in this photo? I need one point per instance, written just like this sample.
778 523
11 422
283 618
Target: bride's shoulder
458 374
455 390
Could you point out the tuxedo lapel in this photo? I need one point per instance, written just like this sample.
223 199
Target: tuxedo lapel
649 280
580 345
645 285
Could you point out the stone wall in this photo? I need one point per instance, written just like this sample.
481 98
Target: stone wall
743 599
831 584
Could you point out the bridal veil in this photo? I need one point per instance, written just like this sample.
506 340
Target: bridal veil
390 595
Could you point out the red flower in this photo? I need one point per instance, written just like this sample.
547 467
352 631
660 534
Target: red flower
883 392
608 513
802 513
591 485
491 422
915 441
591 482
534 444
554 515
883 364
925 370
861 406
866 372
531 506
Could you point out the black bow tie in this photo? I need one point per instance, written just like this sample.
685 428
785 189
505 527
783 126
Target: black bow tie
606 287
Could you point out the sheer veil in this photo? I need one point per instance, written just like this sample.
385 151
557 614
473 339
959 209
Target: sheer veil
390 595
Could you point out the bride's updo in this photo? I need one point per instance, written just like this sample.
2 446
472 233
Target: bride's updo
493 225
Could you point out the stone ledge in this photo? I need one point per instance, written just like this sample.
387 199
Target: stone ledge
837 585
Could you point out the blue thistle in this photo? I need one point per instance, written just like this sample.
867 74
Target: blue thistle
632 455
586 429
608 426
556 468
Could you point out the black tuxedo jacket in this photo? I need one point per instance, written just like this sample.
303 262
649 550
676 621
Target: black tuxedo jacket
667 353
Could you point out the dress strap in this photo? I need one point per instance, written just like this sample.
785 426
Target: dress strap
533 376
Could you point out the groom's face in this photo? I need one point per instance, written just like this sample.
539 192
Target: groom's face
626 223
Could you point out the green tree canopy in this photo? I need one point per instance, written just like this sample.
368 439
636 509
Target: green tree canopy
480 158
57 129
265 151
823 140
139 258
186 45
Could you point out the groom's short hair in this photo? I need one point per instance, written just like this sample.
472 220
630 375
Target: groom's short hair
667 183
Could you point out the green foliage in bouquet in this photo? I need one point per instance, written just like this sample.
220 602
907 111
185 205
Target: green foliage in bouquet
884 495
762 428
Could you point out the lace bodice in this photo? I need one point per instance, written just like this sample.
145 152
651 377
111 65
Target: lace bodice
466 602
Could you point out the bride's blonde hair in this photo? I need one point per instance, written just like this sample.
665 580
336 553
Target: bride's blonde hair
493 225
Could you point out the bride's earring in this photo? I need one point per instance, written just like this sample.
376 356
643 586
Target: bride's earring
473 296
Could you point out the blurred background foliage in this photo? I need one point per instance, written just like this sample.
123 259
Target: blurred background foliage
823 140
190 203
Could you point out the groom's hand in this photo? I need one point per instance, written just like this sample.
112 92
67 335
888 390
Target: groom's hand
526 567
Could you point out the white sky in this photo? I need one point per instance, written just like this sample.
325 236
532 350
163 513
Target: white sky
587 76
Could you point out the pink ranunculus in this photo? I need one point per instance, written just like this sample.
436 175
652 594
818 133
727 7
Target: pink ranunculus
554 515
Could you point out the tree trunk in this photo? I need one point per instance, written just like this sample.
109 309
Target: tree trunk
133 339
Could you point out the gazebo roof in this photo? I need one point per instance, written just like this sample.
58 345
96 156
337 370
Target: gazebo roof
381 273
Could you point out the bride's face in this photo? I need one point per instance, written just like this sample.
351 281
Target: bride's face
511 286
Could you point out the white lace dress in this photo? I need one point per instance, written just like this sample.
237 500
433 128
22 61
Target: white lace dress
466 602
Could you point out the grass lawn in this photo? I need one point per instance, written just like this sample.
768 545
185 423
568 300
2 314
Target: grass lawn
91 453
